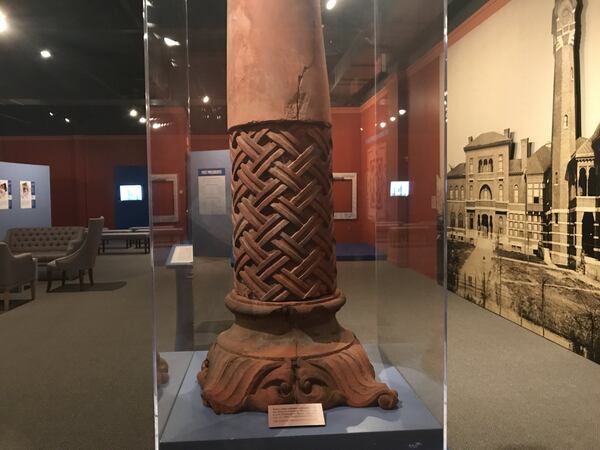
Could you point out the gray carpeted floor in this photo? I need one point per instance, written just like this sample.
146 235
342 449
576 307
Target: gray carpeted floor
75 368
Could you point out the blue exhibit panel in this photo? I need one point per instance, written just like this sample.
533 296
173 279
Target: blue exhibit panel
358 252
211 228
33 209
131 196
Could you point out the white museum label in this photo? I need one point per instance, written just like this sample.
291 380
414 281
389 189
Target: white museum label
183 254
212 192
302 415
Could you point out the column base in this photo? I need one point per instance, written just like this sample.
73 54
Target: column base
289 352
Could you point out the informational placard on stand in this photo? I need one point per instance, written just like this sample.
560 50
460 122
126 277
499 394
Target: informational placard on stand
296 415
212 193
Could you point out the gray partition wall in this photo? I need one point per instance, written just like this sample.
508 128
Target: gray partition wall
39 215
209 181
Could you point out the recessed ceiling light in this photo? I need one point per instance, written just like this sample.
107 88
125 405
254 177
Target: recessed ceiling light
67 120
401 112
171 42
3 23
382 124
330 4
205 99
393 119
142 120
45 54
133 112
51 114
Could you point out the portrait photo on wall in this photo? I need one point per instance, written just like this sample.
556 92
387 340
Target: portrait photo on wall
27 189
523 216
5 194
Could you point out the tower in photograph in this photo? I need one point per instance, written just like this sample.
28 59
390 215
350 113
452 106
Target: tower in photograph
564 128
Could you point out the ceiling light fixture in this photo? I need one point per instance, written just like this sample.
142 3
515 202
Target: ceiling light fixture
3 23
45 54
51 114
205 99
133 112
393 119
330 4
401 112
171 42
142 120
382 124
67 120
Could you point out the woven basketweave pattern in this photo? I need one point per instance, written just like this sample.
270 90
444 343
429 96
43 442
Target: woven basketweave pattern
282 211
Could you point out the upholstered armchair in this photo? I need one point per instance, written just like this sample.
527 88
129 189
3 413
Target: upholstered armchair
82 260
15 271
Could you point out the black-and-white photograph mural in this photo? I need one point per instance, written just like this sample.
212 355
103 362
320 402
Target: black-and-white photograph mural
523 178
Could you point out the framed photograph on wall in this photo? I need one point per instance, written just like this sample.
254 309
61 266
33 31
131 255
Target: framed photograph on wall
5 194
27 191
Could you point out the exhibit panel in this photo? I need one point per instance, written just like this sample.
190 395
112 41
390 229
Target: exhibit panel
523 148
302 281
24 196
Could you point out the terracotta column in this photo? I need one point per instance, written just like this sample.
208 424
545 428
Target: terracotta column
286 345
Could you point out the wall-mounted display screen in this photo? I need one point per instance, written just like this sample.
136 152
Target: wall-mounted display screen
130 192
399 188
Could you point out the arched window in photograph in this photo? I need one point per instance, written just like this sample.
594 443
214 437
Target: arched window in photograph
491 165
452 220
480 166
516 193
500 225
566 121
500 192
485 193
461 221
485 165
462 192
471 192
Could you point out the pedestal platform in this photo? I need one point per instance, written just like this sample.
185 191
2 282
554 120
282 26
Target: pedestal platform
185 423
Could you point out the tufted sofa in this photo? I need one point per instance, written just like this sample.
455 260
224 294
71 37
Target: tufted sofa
47 243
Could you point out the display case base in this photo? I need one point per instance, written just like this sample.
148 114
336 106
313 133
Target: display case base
185 423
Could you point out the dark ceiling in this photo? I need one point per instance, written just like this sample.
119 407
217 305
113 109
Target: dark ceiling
96 72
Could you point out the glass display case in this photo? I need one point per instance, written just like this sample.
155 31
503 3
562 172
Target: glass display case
297 164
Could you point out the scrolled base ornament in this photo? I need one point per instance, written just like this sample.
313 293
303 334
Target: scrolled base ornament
289 353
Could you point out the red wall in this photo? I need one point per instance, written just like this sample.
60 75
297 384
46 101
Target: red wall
346 136
81 170
82 166
169 146
202 142
424 165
